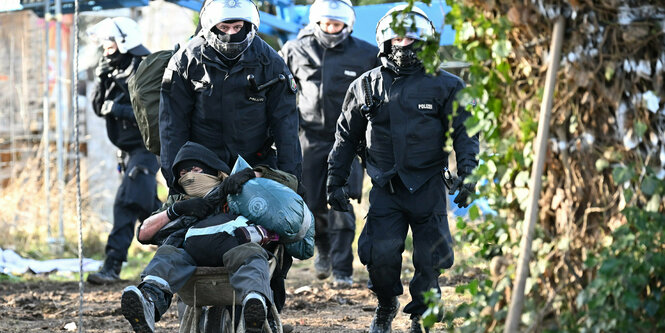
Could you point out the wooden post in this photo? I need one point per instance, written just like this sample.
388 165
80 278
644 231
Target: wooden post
515 311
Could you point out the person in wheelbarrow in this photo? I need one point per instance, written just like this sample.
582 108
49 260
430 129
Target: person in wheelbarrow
197 229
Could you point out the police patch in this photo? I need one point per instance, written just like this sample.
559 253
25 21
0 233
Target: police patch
292 84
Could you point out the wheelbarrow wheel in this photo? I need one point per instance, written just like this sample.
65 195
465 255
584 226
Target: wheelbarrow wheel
226 320
213 320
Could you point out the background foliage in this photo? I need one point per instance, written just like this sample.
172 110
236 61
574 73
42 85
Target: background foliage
598 249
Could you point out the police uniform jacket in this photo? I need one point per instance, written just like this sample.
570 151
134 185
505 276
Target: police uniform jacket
205 101
407 129
121 126
323 75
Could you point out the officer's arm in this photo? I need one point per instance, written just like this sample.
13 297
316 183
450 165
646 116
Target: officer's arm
175 107
351 126
283 115
466 147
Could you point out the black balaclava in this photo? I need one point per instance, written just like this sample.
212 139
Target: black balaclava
405 56
119 60
230 47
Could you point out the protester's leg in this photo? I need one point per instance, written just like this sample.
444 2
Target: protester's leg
380 248
249 275
432 242
165 274
248 270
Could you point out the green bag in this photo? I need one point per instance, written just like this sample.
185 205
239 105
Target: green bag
144 88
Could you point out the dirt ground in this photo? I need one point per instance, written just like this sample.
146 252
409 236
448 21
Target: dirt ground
312 306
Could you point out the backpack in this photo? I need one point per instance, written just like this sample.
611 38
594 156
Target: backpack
144 90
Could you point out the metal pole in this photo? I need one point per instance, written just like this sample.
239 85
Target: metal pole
58 122
12 120
46 128
75 103
517 301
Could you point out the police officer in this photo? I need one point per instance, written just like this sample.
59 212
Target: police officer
404 115
325 59
137 195
231 92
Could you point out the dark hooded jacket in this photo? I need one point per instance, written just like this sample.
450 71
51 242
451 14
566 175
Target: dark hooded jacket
205 101
323 75
196 152
406 132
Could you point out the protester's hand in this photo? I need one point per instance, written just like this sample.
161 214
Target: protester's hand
465 191
197 207
339 199
233 183
107 108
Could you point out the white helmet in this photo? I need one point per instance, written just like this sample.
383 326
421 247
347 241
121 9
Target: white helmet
216 11
339 10
417 24
121 30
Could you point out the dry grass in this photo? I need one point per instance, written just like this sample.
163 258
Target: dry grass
25 217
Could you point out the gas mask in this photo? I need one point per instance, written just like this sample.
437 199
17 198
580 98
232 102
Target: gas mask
405 56
331 40
199 184
231 46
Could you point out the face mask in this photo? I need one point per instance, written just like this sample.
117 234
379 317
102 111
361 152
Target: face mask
119 60
230 46
331 40
198 184
404 56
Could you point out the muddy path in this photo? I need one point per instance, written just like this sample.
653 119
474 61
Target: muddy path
312 306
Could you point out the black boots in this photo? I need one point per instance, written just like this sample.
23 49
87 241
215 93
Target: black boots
323 265
110 272
384 315
416 326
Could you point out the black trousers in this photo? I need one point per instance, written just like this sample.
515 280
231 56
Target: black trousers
135 200
335 231
381 242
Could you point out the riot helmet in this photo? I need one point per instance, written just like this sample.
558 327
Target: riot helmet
418 26
214 12
123 31
338 10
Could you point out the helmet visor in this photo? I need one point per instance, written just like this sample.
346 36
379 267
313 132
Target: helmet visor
416 27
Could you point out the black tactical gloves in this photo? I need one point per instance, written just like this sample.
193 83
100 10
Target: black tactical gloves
464 191
197 207
233 183
337 197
